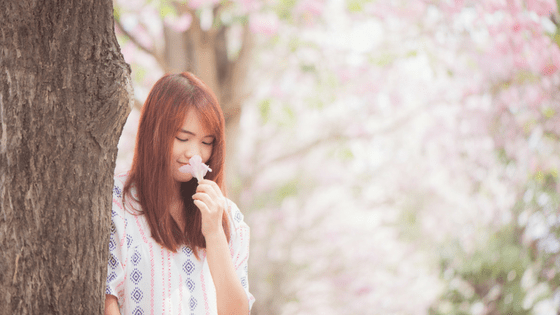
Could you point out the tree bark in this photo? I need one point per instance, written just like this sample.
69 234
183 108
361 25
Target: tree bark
65 93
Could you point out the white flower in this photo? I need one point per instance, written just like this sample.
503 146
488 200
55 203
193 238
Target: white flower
196 168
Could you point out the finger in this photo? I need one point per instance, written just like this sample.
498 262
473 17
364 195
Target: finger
203 197
201 206
214 195
213 186
203 187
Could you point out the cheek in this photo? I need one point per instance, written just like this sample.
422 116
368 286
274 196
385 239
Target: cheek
207 154
174 153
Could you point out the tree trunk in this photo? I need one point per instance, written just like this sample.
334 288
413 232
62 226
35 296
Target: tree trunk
64 96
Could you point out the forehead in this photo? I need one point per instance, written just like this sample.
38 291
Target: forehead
194 124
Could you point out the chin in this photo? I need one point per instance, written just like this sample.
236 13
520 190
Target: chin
183 178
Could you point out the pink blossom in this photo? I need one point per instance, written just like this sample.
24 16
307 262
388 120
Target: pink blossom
249 5
310 9
313 7
129 52
196 168
179 23
452 7
196 4
541 7
264 23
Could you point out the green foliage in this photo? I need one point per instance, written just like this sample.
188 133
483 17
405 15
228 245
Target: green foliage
490 275
275 197
117 12
557 38
288 189
384 59
288 116
409 219
166 9
345 154
510 270
549 112
411 53
308 68
264 109
355 6
276 112
284 9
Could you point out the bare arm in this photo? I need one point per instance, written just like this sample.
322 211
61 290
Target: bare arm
111 305
231 296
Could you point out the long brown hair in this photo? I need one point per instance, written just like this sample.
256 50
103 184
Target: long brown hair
163 114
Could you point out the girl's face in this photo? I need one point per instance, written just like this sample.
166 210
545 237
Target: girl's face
192 139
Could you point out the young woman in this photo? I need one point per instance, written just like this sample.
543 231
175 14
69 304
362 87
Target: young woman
177 245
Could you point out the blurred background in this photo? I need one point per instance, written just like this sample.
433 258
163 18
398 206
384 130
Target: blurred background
390 156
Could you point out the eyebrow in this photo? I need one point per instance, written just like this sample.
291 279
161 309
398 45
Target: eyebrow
193 134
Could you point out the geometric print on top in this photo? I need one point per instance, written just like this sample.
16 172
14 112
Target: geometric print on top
146 278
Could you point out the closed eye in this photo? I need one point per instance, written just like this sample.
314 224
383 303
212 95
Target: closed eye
182 140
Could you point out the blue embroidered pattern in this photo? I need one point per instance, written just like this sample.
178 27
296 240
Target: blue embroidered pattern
136 258
113 263
136 295
190 285
238 217
117 191
187 250
138 311
112 244
136 276
128 241
192 303
112 276
188 267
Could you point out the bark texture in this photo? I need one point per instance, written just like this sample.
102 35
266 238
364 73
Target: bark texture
64 96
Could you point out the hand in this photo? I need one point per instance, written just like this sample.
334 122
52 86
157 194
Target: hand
211 203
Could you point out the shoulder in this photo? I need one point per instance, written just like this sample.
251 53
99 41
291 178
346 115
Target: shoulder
118 185
120 179
120 201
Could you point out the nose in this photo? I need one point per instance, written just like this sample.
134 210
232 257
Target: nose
192 149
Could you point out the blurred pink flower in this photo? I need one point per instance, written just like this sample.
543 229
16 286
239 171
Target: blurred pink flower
310 9
196 4
264 23
129 51
249 5
196 168
541 7
179 23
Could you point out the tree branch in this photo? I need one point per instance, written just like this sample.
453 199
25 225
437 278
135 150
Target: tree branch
132 38
161 62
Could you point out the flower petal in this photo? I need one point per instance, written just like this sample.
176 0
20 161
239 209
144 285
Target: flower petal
196 168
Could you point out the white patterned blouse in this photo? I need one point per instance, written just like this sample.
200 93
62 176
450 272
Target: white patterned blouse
149 279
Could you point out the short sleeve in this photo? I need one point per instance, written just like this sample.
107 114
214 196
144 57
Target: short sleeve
118 245
239 248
